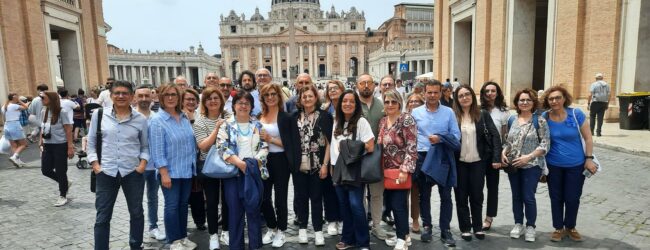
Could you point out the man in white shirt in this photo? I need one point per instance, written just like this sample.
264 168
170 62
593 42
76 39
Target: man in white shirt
225 86
67 104
104 98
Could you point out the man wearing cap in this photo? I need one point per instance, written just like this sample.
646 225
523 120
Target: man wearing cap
598 103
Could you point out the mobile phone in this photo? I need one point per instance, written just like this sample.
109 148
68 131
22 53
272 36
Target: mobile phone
587 173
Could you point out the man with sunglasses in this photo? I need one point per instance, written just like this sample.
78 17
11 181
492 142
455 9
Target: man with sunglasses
104 98
225 86
302 80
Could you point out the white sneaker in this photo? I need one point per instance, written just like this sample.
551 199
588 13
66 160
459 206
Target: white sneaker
517 231
332 229
318 237
268 237
530 234
408 240
302 236
214 241
13 160
188 244
340 225
177 245
392 241
157 234
20 163
61 201
225 238
279 239
400 245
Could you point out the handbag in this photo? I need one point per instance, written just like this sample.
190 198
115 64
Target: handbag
5 146
371 167
98 148
216 167
584 146
352 150
390 180
487 136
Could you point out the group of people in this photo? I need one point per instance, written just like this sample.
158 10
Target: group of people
434 136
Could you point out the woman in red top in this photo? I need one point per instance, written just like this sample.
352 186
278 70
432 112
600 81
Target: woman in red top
397 135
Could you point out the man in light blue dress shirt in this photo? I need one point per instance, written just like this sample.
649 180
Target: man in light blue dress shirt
124 156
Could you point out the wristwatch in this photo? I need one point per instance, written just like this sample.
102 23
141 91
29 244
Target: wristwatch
589 157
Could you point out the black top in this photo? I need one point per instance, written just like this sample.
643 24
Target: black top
488 141
287 130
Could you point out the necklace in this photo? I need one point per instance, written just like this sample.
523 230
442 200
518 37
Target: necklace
248 131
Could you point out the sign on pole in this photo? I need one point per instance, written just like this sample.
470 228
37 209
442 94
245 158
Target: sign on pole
403 67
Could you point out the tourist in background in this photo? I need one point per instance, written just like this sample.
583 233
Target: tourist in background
598 103
492 101
567 160
526 144
13 130
397 132
173 152
56 144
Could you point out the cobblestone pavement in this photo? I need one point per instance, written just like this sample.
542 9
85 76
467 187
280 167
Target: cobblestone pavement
614 212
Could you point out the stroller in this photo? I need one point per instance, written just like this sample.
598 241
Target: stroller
82 162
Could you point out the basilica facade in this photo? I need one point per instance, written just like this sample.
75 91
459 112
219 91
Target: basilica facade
296 37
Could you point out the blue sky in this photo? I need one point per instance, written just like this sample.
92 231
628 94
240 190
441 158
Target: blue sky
177 24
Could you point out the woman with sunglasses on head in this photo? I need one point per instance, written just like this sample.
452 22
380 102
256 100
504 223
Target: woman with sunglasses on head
480 146
278 132
206 128
492 101
567 160
397 135
526 144
56 144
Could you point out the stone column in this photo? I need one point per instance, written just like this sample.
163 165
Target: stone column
134 76
158 78
245 62
312 60
288 63
343 71
301 59
187 74
274 60
328 59
124 76
260 60
279 59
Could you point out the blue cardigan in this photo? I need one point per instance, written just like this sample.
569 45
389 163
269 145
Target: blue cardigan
252 186
440 163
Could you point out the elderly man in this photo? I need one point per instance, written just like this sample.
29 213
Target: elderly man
225 86
263 77
599 93
302 80
373 111
181 82
211 80
385 84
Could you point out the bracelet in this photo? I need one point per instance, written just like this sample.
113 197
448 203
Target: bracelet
589 157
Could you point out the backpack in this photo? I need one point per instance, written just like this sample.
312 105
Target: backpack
535 124
600 92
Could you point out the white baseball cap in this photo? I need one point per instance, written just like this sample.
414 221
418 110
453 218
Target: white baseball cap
599 75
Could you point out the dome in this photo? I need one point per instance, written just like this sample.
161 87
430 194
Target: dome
273 2
257 16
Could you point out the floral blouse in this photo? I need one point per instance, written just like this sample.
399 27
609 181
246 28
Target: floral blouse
399 143
312 139
227 138
522 139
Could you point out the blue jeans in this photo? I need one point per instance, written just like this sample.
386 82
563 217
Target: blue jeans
176 206
105 196
523 184
355 225
236 212
152 197
425 183
564 189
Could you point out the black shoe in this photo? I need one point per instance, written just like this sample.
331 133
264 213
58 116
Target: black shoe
599 135
426 234
467 236
201 227
388 220
296 222
447 238
480 235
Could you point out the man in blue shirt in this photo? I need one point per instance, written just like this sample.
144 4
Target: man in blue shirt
124 156
432 120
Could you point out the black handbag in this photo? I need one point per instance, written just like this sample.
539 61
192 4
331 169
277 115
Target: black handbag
488 137
347 169
98 149
371 169
352 150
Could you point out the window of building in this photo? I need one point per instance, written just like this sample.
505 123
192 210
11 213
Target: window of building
281 28
304 28
335 28
233 29
283 51
234 52
353 49
265 30
267 52
251 30
353 26
321 28
305 50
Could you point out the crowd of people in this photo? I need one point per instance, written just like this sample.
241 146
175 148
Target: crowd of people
438 134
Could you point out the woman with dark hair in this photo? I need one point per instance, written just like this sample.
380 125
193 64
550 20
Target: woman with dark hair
172 149
349 120
314 130
446 99
13 130
333 91
568 160
526 144
492 101
278 132
56 144
206 128
239 143
480 146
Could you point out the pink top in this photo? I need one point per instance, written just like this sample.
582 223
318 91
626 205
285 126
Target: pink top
399 143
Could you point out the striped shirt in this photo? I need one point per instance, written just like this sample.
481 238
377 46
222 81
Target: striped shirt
172 144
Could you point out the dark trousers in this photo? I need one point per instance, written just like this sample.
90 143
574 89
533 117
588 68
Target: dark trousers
152 197
307 187
597 110
492 184
523 184
355 225
176 206
236 217
278 181
54 165
399 205
197 202
212 188
425 183
564 189
224 208
106 193
471 178
330 201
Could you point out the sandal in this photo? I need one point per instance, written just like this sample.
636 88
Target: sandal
342 246
487 223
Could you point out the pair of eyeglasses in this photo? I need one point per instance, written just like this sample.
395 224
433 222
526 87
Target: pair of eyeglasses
390 102
555 98
272 94
525 101
243 103
190 99
415 102
225 85
120 93
212 78
170 95
262 75
366 83
463 96
304 82
213 99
